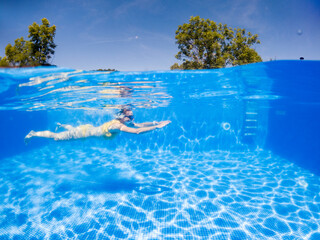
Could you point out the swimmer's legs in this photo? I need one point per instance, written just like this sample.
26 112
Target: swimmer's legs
72 133
45 134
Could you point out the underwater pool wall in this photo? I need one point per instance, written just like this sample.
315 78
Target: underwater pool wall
293 130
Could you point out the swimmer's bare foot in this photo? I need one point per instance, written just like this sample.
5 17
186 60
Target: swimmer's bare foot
30 135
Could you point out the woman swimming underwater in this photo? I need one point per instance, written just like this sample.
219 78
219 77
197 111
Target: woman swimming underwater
107 129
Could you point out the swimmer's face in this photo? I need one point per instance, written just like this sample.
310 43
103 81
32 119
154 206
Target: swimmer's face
128 116
128 113
126 119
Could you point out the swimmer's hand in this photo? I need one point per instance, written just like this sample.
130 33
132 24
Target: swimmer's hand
163 123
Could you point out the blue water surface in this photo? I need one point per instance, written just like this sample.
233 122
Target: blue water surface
238 161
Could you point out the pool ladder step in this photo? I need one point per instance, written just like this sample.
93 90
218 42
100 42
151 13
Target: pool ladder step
249 134
250 122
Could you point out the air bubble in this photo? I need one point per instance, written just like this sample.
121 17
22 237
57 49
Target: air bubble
226 126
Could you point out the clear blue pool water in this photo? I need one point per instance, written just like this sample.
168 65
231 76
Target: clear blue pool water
240 159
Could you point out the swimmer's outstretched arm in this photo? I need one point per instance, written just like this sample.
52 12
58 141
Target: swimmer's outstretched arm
146 124
124 128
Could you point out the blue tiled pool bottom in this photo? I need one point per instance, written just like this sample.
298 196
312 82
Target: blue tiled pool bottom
62 191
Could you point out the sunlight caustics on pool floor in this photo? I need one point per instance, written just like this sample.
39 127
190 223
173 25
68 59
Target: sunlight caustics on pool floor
69 192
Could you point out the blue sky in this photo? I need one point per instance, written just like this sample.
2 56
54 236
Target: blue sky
139 34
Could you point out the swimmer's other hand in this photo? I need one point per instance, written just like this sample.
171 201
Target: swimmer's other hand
163 123
59 125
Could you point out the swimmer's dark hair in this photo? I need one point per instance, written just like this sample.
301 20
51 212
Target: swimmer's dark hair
125 108
121 114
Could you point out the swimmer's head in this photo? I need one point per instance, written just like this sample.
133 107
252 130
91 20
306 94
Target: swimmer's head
125 115
128 119
125 119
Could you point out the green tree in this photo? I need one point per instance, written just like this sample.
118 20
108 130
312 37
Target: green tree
4 62
176 66
42 39
20 53
35 52
204 44
241 51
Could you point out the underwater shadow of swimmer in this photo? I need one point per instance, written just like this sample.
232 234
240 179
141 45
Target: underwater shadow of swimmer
109 184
